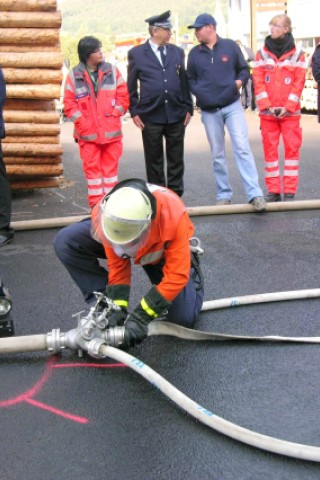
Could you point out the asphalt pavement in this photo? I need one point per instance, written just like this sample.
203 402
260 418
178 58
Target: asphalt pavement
68 417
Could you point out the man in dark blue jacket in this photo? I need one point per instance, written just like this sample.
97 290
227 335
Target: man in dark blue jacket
6 233
316 73
160 102
217 70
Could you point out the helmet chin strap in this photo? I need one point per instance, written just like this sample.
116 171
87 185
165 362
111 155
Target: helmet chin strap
126 252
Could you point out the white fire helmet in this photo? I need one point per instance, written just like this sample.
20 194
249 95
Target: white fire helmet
126 218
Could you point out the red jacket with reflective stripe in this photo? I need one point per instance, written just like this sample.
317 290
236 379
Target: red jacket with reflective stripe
96 118
278 82
169 237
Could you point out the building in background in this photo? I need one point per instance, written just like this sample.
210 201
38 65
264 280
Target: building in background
249 20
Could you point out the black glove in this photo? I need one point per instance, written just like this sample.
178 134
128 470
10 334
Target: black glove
136 329
119 294
136 326
117 317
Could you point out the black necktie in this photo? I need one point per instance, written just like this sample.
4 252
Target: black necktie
162 54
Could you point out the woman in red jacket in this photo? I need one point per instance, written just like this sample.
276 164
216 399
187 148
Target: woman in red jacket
95 98
279 77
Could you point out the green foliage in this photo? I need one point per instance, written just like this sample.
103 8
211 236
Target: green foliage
69 45
107 18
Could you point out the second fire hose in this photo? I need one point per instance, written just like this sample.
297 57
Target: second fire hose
93 336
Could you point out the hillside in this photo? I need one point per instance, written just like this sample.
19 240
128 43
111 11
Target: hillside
112 17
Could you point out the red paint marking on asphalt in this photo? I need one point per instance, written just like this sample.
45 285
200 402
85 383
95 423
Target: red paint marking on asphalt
34 390
56 411
29 394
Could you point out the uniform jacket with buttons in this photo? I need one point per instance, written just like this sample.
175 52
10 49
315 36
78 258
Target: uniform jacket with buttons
213 73
158 94
316 73
96 117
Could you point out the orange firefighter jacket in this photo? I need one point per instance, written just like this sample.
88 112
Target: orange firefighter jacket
278 82
170 232
96 115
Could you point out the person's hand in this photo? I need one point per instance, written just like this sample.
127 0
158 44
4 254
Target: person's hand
119 294
136 330
138 122
151 306
278 112
281 112
239 84
187 119
117 317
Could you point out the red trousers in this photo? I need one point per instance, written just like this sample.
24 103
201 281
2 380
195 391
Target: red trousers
271 129
100 166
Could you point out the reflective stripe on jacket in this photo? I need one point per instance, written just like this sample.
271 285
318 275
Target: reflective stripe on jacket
96 118
170 232
278 82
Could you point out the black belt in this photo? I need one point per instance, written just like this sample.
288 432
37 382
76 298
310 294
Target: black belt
211 110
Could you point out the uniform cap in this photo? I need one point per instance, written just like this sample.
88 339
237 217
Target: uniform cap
162 20
202 20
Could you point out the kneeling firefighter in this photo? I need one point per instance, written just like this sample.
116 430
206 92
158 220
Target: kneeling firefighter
150 225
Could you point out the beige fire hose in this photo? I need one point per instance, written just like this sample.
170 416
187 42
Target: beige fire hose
249 437
192 211
56 341
264 442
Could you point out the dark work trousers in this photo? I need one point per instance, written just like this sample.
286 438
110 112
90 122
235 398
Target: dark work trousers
153 136
79 253
5 197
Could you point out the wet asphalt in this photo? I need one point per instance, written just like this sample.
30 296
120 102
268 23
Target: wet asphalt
69 417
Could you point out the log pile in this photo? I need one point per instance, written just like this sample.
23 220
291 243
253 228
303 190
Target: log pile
31 60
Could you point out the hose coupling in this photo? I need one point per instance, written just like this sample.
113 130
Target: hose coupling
55 341
114 336
94 347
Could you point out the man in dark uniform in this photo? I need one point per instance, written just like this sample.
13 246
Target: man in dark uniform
160 102
315 63
6 233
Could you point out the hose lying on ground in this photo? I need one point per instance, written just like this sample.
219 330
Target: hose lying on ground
264 442
270 444
249 437
192 211
260 298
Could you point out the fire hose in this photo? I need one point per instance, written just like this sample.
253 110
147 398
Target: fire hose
93 336
192 212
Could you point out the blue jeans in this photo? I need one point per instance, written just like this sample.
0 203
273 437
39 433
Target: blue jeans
214 122
79 253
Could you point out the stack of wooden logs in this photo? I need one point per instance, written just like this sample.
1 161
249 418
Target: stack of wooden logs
31 60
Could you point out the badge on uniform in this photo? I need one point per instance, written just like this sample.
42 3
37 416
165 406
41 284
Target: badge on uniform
81 95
